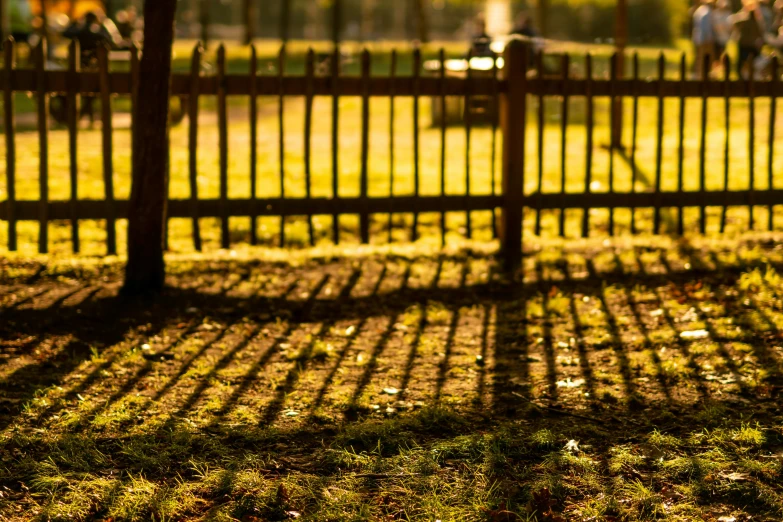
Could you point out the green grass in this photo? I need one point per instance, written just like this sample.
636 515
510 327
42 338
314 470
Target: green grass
264 387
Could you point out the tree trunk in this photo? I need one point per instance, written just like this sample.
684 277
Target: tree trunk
249 10
543 17
368 20
145 272
620 41
203 16
285 19
337 19
422 21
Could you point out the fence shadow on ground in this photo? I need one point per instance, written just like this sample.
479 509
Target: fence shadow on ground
581 332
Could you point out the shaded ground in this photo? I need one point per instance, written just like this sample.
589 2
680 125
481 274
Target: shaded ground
611 381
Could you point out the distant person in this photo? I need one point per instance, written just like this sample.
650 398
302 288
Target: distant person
523 26
127 20
778 8
722 24
767 16
703 37
481 44
750 36
20 16
91 32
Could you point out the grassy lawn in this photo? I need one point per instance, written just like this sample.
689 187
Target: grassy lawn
622 380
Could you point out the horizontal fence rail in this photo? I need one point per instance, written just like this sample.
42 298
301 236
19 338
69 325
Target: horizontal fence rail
571 140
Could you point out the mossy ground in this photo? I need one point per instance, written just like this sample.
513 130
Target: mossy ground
372 384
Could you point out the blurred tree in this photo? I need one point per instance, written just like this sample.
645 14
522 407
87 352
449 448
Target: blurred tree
145 271
203 15
249 15
422 21
285 20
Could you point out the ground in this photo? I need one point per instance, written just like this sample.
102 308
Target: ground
608 380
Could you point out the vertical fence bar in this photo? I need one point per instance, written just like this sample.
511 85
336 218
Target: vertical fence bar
10 141
659 144
681 147
540 125
225 239
727 142
613 117
336 139
281 135
253 143
443 123
468 125
195 68
43 143
108 146
72 116
493 153
135 65
364 221
751 147
308 138
771 138
703 144
135 76
392 93
566 67
514 112
589 151
416 144
634 135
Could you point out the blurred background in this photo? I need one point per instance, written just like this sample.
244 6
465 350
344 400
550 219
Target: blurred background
650 22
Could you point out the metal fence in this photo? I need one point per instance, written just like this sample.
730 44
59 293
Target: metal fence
517 98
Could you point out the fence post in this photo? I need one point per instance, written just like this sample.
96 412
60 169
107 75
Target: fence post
513 121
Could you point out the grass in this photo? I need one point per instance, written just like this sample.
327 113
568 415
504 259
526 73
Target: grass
264 387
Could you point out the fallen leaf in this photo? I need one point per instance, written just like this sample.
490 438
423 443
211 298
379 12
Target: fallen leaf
568 383
735 477
694 334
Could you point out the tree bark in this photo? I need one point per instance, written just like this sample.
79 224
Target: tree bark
543 17
337 21
620 42
422 21
249 10
145 272
285 17
203 16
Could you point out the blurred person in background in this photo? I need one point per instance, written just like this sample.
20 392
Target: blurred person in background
748 25
127 23
481 42
92 31
722 23
20 16
703 37
767 16
523 26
